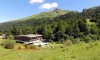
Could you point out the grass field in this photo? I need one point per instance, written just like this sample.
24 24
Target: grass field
81 51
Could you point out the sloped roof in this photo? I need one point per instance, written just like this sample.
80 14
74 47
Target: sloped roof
31 35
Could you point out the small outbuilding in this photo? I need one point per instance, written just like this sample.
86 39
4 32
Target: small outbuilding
5 36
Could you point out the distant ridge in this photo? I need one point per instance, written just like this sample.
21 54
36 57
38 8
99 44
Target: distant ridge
49 14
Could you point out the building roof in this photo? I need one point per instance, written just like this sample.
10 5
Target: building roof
31 35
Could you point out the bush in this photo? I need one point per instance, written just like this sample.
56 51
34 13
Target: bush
19 47
26 46
60 41
71 38
87 39
77 40
98 37
33 47
68 42
39 45
51 41
94 37
9 44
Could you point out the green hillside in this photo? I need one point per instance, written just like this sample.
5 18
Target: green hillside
42 16
50 14
58 25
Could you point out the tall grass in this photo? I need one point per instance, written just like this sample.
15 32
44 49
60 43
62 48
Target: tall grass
73 52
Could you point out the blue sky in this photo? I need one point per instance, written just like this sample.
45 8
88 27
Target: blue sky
16 9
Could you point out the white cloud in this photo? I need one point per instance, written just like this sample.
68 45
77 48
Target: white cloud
36 1
49 6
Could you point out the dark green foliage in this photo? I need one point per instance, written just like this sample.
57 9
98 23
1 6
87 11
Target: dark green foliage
59 35
60 27
47 32
99 23
82 26
94 30
87 39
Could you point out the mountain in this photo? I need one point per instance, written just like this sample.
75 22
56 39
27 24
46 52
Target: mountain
44 15
58 25
50 14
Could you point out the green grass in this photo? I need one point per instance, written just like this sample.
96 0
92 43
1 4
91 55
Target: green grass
81 51
90 23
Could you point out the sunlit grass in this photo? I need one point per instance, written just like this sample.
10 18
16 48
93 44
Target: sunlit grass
81 51
90 23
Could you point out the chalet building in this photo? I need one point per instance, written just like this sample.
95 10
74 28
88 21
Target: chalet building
30 39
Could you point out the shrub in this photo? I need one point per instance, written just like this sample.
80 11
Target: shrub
39 45
98 37
51 41
19 47
71 38
77 40
9 44
94 37
61 41
33 47
26 46
68 42
87 39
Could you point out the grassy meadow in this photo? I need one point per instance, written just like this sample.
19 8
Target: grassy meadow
81 51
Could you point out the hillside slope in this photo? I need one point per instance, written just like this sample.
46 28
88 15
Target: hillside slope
50 14
44 15
58 25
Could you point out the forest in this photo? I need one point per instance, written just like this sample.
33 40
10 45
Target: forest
58 25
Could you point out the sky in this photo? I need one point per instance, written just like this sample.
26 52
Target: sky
17 9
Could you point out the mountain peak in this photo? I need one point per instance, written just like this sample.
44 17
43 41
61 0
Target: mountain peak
56 10
49 14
